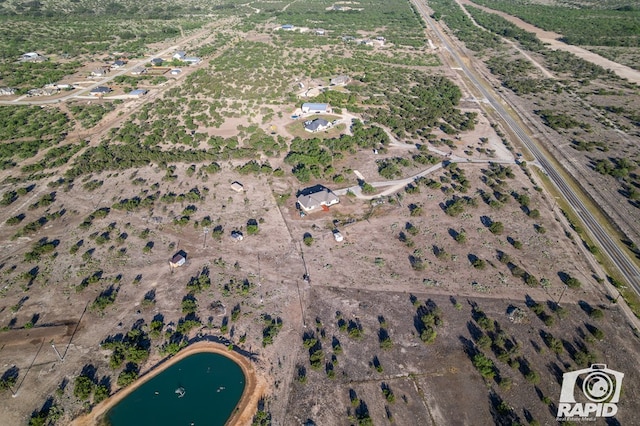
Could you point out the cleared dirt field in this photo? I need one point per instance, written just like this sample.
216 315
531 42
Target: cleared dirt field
366 276
436 383
402 272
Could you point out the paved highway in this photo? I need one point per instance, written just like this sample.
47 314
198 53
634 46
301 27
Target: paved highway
626 267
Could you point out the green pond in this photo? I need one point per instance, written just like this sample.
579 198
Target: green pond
202 389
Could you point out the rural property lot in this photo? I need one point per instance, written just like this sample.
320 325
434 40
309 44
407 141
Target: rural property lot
460 293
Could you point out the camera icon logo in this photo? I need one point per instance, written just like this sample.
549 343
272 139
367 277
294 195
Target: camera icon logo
600 387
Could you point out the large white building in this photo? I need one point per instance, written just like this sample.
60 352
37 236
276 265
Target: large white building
316 197
313 108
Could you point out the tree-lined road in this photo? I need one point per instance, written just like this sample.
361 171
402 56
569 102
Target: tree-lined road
625 266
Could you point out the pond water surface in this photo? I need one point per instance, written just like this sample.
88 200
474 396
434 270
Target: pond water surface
202 389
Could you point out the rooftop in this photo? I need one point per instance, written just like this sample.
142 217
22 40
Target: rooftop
316 124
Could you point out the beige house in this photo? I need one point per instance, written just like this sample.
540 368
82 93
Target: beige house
317 197
340 80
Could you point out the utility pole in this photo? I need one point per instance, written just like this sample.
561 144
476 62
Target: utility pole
562 294
204 242
56 350
74 331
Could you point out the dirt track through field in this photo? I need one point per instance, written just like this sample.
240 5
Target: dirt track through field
552 39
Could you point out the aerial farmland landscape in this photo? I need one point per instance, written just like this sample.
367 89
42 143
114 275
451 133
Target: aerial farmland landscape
411 212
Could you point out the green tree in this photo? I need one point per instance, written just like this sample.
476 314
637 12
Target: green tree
496 228
252 227
484 366
308 239
83 386
126 377
189 305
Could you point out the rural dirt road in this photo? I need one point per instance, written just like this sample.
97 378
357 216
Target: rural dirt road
553 40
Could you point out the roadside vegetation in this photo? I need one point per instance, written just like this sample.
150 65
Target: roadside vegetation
613 23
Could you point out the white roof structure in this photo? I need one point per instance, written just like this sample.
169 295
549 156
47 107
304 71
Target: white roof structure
99 72
32 56
237 186
316 197
178 259
138 92
340 80
308 107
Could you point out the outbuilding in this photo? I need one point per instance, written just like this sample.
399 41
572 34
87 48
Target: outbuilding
314 108
237 186
99 72
32 57
138 92
178 259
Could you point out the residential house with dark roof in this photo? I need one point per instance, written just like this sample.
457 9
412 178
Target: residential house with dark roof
317 125
100 90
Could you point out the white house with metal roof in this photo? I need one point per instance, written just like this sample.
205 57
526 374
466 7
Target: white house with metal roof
314 108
